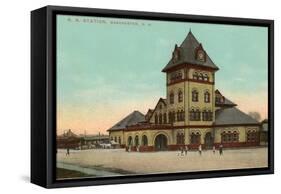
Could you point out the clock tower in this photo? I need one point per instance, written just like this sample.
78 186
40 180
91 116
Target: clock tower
190 80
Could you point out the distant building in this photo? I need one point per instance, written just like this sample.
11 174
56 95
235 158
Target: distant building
193 113
95 140
264 132
68 140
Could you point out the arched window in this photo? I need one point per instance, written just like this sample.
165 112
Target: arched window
156 118
130 140
170 117
206 77
160 118
195 75
207 97
137 141
119 140
204 115
252 136
235 136
175 76
144 140
192 115
195 138
207 115
229 137
180 96
200 77
165 118
197 115
195 96
173 117
180 138
180 115
172 98
210 115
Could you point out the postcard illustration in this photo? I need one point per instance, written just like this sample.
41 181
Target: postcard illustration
150 97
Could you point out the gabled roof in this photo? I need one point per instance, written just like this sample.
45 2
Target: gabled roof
229 116
226 102
132 119
164 101
187 54
148 114
149 111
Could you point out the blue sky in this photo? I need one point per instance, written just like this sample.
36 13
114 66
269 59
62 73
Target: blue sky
108 67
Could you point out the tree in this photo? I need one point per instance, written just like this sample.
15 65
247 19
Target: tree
255 115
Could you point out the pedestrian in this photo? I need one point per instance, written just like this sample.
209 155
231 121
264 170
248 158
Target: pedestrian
67 151
214 149
181 151
221 151
185 149
200 149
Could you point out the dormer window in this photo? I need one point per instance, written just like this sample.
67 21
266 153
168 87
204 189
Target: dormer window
200 54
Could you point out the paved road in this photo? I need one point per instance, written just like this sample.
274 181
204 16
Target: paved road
164 162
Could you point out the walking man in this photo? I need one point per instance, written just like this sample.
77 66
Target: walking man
185 150
221 151
200 149
181 151
214 149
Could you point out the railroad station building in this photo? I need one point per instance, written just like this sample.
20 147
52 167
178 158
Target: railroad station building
193 112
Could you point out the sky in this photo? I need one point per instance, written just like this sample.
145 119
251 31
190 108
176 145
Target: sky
109 67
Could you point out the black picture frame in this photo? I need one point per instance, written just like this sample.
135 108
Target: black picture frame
43 96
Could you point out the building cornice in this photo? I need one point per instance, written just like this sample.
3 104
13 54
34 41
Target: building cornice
190 65
191 80
171 127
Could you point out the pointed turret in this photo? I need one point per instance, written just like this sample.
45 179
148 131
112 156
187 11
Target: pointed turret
191 52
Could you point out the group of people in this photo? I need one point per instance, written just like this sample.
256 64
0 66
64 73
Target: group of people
184 150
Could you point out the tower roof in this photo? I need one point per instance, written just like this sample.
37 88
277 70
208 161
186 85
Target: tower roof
187 53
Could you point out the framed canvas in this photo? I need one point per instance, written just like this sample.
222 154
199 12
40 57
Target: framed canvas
126 96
